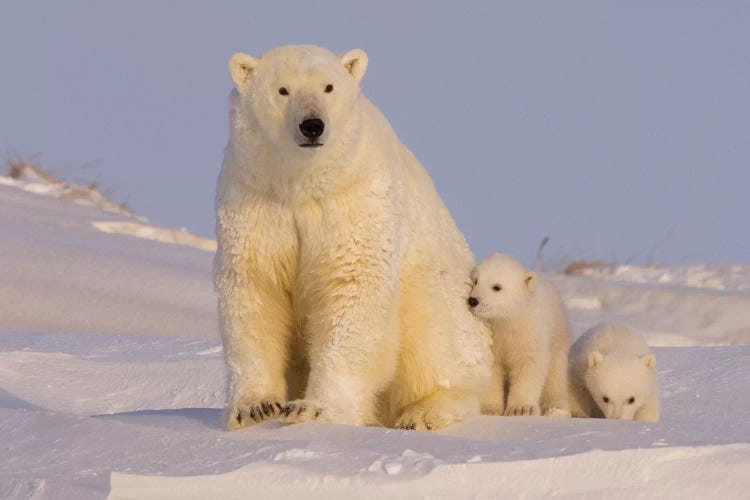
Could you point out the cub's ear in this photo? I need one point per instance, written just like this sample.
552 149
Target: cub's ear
595 357
241 67
532 280
355 62
649 360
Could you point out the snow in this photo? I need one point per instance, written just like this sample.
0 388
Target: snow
708 276
667 315
60 274
112 383
164 235
35 180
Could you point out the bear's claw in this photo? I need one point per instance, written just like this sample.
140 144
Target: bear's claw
522 411
247 414
493 409
300 411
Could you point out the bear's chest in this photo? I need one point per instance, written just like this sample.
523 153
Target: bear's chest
287 242
271 248
514 340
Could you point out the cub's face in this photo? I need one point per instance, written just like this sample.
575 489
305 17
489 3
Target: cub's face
620 384
502 288
300 99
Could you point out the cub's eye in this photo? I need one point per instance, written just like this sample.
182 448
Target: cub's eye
329 88
476 280
497 288
605 399
631 400
283 91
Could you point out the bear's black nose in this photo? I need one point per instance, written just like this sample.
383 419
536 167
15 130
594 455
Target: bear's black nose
473 302
312 128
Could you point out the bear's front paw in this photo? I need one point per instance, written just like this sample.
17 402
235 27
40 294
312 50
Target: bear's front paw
302 410
250 412
522 410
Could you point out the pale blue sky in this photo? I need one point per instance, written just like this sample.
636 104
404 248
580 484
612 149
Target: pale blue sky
619 129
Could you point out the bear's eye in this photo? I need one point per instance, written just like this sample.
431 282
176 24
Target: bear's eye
605 399
497 288
631 400
476 280
329 88
283 91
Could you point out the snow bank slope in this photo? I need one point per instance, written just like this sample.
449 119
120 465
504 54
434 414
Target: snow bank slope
59 274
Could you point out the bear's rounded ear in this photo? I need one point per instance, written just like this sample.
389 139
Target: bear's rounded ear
595 357
649 360
532 280
241 67
355 62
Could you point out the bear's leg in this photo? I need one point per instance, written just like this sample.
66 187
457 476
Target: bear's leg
439 410
526 376
345 379
256 330
346 374
555 392
349 294
649 412
493 402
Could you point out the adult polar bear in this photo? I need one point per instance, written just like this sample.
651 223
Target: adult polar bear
342 278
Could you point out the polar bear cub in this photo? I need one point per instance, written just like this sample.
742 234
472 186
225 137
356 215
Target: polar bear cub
613 375
531 339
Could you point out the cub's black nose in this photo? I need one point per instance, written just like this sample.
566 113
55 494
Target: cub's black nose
473 302
312 128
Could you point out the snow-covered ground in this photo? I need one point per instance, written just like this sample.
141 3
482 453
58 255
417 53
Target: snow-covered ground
112 380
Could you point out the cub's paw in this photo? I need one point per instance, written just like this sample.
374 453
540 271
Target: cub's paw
493 409
421 418
521 410
303 410
412 419
557 412
250 412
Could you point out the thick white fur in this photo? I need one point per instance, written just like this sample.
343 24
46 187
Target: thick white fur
531 339
342 277
612 361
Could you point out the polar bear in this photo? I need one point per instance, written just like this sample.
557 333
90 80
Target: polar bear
531 339
613 375
342 277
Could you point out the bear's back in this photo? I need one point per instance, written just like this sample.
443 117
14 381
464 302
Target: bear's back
549 311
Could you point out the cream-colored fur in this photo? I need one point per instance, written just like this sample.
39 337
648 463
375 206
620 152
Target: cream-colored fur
342 278
613 362
531 339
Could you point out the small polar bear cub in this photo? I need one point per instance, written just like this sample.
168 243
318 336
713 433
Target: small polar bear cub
531 339
613 375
